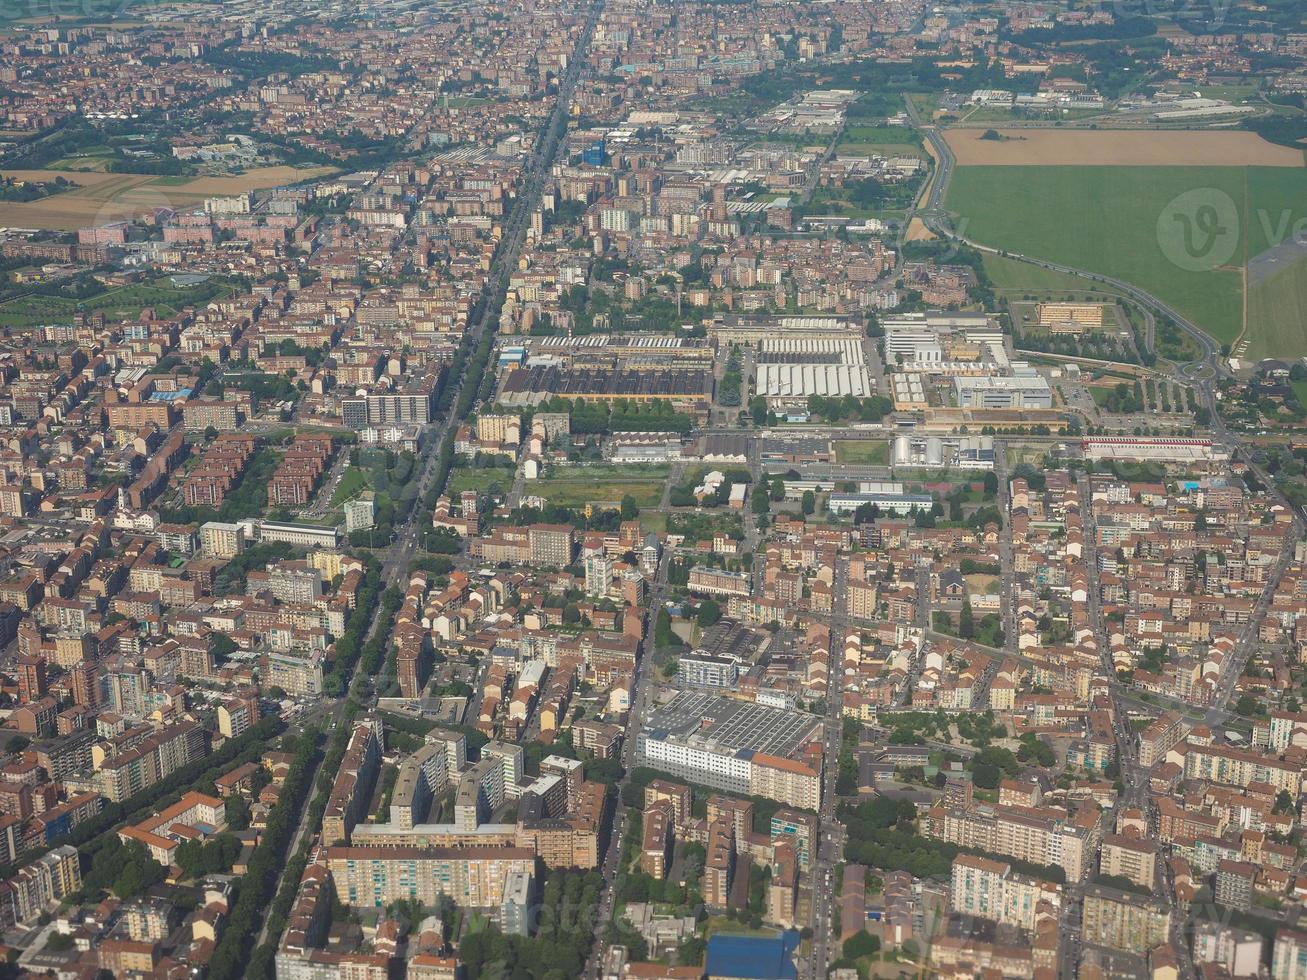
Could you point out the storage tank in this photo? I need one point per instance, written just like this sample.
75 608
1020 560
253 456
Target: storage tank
934 451
902 451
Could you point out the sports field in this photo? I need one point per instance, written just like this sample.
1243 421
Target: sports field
104 197
1183 234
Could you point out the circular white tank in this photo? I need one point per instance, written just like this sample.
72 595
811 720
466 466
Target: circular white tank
902 451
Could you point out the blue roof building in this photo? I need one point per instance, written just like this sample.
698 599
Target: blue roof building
752 957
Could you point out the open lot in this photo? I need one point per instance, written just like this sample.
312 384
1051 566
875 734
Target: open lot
576 486
1119 148
862 452
578 493
104 197
463 478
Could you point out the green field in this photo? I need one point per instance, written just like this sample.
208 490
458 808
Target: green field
881 149
1023 277
352 483
470 478
862 452
1111 220
1277 313
576 486
886 140
578 493
880 134
37 308
1300 389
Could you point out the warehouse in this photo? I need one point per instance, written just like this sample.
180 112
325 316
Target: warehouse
532 385
611 350
753 330
791 369
897 503
1171 450
1024 389
712 740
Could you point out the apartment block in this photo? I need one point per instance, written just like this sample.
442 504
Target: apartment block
656 846
352 789
474 877
1124 920
992 890
1129 857
1289 956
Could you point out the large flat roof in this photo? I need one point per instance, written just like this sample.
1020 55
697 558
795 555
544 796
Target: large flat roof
714 721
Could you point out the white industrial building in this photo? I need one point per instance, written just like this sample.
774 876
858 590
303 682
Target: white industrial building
1165 449
889 497
789 370
1024 388
921 341
967 452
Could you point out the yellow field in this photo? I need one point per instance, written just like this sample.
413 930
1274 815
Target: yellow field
1121 148
918 232
101 197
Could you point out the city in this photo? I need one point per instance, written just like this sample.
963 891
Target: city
637 490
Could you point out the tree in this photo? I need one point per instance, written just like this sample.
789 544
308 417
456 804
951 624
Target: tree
986 775
808 503
991 483
238 813
861 944
691 952
709 613
663 636
778 489
761 505
1247 706
629 509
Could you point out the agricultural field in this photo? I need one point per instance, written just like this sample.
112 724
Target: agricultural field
1114 220
105 197
1118 148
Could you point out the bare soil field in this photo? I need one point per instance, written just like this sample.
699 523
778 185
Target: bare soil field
1126 148
104 197
918 232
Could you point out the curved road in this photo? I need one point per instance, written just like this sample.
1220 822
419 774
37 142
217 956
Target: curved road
938 219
